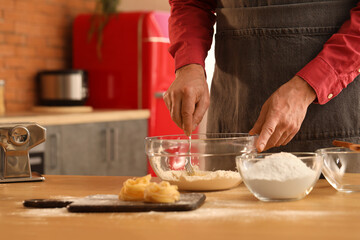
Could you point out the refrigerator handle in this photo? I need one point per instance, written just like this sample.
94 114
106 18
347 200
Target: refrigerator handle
159 94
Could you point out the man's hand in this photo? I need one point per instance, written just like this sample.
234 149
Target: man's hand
188 97
282 114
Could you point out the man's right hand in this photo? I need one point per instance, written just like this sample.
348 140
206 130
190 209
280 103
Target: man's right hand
188 97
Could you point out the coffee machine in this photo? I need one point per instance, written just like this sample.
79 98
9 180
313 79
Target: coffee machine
16 139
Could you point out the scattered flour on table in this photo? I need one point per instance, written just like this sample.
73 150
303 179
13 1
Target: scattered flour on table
231 214
45 212
280 176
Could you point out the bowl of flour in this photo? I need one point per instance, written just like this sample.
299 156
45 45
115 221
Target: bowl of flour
279 176
212 156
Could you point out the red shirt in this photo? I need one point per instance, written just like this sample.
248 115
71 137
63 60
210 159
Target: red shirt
191 29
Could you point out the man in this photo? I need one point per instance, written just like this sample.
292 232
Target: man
282 67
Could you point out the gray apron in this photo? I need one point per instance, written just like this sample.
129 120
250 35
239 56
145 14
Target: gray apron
260 45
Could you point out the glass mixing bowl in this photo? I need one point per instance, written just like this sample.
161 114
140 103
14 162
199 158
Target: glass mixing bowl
212 157
341 168
280 176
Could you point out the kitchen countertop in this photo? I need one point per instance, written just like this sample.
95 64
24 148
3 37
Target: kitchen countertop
59 118
231 214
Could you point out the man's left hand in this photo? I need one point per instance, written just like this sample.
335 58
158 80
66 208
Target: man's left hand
282 114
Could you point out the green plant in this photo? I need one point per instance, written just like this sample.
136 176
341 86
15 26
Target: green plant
103 11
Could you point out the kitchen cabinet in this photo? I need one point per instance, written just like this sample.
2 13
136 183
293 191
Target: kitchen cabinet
101 148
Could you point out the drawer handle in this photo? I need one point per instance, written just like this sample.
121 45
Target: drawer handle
54 150
159 94
114 142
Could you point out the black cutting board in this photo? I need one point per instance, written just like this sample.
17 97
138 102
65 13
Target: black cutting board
111 203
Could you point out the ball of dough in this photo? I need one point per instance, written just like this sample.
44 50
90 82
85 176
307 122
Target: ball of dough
133 189
161 193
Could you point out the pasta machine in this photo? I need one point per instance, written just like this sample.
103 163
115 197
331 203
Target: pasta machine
16 139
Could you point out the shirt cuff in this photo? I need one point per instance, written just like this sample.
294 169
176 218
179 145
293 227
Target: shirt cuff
190 56
322 78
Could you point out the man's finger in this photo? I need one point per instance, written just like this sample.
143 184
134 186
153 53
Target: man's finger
289 138
260 121
175 111
283 138
199 112
167 101
267 130
187 111
275 138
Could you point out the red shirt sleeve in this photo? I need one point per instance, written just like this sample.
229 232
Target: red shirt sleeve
190 30
338 63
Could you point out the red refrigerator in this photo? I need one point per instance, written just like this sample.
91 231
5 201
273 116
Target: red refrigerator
134 67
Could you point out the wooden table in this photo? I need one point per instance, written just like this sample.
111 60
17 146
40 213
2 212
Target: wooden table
231 214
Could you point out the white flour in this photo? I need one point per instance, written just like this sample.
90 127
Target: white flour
280 176
202 181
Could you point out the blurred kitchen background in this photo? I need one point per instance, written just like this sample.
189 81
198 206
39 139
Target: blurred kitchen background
36 35
126 78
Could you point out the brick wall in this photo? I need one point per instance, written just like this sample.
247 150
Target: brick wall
34 35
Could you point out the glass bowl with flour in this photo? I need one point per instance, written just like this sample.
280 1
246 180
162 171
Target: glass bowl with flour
212 156
280 176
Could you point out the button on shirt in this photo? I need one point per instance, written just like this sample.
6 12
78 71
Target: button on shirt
191 29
